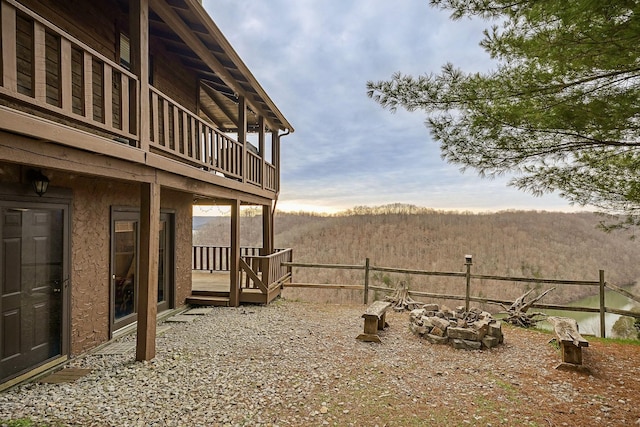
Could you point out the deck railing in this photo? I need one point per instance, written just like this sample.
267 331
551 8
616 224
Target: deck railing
46 68
217 258
261 272
267 270
47 72
254 168
180 133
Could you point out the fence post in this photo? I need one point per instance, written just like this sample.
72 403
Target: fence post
602 310
366 281
468 262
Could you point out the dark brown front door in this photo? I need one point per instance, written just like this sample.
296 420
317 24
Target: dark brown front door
32 274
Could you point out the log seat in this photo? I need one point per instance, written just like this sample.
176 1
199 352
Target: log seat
374 321
569 339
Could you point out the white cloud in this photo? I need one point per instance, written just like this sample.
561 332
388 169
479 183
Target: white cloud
314 58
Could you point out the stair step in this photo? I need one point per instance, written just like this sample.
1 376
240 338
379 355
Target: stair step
210 293
208 300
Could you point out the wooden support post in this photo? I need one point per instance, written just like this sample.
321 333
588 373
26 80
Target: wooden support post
366 281
275 154
8 40
602 307
261 149
66 85
234 268
148 273
107 93
87 79
39 63
242 135
267 230
467 296
140 118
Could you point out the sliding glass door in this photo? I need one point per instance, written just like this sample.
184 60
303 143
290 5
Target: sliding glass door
124 265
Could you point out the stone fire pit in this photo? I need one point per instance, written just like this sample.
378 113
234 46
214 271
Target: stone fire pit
473 330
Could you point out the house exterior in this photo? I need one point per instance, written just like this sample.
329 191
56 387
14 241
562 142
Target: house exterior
116 118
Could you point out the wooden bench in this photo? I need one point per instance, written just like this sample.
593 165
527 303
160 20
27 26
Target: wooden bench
570 340
374 320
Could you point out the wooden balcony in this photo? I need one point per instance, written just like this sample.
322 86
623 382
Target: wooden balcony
48 76
261 279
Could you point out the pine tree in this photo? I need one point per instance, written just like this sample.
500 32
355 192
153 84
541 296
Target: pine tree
561 109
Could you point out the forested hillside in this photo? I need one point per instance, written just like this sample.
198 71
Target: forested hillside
511 243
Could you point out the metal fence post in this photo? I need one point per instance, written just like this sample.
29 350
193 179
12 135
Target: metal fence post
602 309
366 281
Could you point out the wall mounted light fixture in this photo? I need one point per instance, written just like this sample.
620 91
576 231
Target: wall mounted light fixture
40 182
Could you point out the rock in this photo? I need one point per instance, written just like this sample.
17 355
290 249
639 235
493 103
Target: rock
434 339
417 314
437 332
482 327
473 345
495 330
466 344
458 344
490 342
440 323
426 322
431 307
463 333
418 330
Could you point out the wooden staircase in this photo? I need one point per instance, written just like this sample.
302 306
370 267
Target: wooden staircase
216 298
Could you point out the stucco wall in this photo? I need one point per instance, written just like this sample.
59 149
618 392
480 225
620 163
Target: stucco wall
90 256
93 199
91 206
181 203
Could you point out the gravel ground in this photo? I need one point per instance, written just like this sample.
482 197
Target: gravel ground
298 364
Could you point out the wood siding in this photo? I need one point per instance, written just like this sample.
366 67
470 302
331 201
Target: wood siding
49 73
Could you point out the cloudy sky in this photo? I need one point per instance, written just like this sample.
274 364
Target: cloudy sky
314 57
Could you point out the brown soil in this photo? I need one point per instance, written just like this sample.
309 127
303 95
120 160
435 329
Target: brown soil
517 383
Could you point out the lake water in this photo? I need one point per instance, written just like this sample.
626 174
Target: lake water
589 323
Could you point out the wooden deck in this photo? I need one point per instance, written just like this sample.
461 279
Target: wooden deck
218 281
213 289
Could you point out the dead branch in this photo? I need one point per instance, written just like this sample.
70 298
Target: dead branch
517 312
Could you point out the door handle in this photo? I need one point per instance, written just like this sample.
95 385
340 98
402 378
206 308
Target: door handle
58 284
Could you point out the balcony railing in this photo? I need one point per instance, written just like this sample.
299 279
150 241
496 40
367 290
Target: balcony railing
47 72
46 68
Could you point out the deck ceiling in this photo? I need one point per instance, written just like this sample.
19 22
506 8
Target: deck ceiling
219 91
